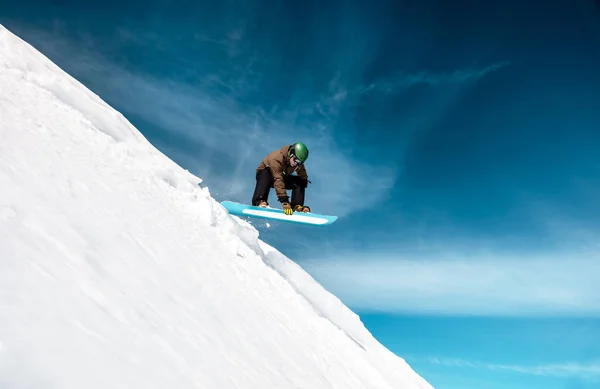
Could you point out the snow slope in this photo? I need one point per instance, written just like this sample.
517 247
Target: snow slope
117 270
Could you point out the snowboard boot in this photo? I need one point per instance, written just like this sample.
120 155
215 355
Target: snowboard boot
300 208
263 204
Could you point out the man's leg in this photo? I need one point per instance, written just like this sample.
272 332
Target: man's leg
264 182
298 186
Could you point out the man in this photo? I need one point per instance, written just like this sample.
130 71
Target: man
275 171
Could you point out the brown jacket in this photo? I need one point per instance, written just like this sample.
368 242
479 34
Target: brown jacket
279 163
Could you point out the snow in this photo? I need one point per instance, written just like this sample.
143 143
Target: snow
117 270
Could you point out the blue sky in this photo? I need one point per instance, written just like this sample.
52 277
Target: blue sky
459 142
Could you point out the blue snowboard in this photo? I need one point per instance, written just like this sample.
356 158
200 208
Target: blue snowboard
313 219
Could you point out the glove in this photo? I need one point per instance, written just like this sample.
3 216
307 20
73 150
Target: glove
287 209
300 208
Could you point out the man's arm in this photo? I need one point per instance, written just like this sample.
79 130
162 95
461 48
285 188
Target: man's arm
303 174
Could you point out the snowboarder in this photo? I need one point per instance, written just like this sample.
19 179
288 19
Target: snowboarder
275 171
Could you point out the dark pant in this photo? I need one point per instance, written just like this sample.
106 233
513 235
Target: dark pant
264 183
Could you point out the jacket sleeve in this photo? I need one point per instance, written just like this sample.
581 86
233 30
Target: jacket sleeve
277 172
302 172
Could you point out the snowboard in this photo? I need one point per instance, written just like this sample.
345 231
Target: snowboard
309 218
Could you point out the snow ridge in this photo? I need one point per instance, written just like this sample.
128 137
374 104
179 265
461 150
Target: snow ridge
118 270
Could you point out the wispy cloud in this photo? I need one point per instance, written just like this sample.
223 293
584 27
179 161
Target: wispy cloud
216 132
464 284
572 223
567 369
403 80
220 137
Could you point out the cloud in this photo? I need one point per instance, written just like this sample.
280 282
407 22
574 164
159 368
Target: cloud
403 80
486 285
221 140
568 369
210 128
572 223
238 140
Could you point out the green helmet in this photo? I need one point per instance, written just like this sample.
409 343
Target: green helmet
300 150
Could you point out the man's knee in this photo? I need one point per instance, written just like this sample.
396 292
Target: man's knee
296 182
303 182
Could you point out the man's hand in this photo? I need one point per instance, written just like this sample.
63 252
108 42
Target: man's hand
300 208
287 209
